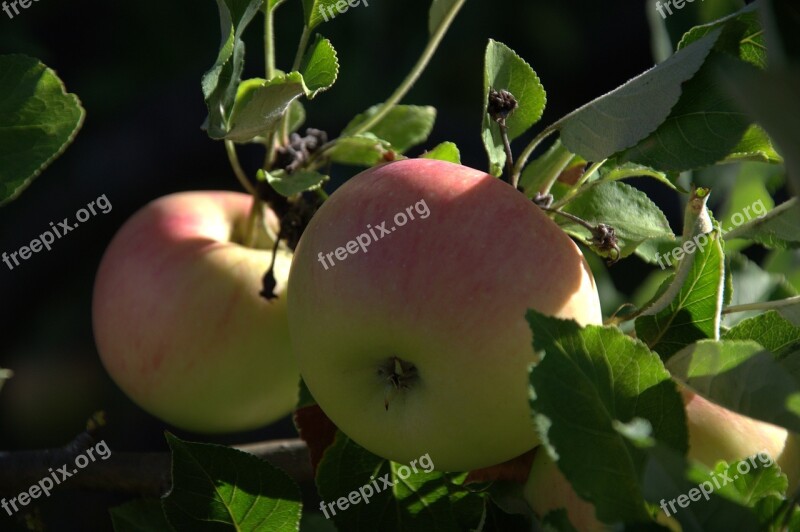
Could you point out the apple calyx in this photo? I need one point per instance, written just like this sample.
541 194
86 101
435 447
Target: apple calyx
399 376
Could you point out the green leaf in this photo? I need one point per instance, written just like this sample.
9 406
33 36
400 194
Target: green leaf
361 150
629 170
771 99
446 151
403 127
373 490
755 146
744 26
777 229
504 69
590 383
140 515
215 485
261 107
634 217
694 313
628 114
753 479
543 172
702 129
668 480
320 66
291 184
221 82
38 121
770 330
741 376
318 11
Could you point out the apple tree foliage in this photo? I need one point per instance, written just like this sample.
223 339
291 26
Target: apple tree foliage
719 111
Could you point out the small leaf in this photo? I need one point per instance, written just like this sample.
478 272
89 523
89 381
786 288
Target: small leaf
38 121
221 82
403 127
589 381
634 217
628 114
446 151
361 150
320 67
772 331
291 184
215 485
694 313
140 515
742 377
260 108
504 69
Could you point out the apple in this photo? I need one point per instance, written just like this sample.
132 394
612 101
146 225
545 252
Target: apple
416 342
179 322
715 434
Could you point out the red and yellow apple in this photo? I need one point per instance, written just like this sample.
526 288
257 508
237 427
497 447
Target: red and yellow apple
179 322
416 343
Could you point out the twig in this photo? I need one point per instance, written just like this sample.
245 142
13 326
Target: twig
143 474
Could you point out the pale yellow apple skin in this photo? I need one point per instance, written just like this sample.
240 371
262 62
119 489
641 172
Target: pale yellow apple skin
179 323
448 294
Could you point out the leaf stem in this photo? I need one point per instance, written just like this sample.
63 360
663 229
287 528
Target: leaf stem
230 147
301 48
765 305
529 149
269 41
416 72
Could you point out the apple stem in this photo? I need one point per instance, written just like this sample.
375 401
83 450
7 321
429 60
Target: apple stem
399 376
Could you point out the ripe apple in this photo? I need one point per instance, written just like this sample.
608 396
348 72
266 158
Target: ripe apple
179 322
715 434
416 343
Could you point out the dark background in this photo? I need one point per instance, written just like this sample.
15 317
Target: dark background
137 66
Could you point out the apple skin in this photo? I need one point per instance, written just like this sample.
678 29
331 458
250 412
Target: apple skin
448 294
179 322
715 434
